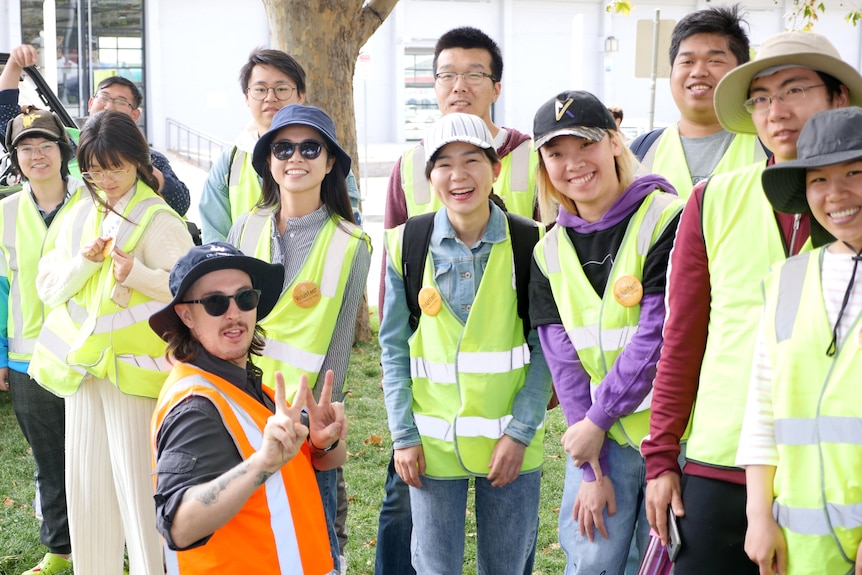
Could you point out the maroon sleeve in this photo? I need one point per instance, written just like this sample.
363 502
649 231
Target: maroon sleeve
394 214
685 331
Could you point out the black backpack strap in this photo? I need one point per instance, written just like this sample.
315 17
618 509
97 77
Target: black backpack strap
414 251
525 236
641 145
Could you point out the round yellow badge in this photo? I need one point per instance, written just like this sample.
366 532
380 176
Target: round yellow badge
306 294
430 301
628 291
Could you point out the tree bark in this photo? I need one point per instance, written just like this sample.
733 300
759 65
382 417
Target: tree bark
325 36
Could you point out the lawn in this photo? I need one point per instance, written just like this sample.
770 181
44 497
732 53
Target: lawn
369 448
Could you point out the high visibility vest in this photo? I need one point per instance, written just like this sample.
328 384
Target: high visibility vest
244 188
74 170
516 184
25 239
91 333
817 418
742 241
297 334
666 157
599 327
465 376
281 527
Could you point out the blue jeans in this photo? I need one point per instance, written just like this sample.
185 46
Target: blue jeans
628 475
327 482
505 525
394 527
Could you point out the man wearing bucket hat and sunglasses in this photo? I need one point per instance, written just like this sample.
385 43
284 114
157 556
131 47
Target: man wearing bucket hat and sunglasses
728 238
234 462
808 361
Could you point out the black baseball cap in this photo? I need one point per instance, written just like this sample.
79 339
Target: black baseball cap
201 260
572 113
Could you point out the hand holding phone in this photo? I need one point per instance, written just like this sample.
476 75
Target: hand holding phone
674 541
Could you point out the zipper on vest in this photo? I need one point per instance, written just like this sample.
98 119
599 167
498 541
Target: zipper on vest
796 219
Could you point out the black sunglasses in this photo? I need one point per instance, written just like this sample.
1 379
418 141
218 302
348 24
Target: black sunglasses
309 149
217 304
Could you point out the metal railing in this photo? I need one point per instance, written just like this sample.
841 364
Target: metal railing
193 146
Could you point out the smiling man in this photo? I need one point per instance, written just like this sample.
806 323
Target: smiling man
728 238
705 46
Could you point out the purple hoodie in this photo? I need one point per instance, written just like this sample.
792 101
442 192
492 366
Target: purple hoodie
630 378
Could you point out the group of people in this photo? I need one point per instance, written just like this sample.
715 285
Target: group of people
689 298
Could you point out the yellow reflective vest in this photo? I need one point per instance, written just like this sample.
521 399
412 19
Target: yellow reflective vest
599 327
817 418
516 184
244 189
742 240
666 157
298 334
91 333
465 376
25 240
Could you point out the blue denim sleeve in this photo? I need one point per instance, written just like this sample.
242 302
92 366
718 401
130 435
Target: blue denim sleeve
355 199
395 357
215 202
175 193
531 401
4 317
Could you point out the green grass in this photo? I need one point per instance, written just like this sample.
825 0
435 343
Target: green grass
369 447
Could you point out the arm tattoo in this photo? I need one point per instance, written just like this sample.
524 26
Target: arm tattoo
209 494
261 478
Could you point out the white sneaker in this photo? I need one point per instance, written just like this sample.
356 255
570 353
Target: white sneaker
343 562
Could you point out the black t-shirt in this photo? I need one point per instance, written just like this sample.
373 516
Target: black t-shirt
597 252
193 444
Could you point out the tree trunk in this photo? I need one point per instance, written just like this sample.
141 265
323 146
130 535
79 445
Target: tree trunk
325 36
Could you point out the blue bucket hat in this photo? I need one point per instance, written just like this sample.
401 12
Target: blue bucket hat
201 260
300 115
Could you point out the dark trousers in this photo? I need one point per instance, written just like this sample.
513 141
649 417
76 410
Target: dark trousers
327 483
42 417
713 529
396 525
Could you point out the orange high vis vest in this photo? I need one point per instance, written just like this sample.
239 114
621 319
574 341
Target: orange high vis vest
281 528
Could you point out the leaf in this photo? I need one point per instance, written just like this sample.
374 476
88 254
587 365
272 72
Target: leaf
373 440
623 7
8 502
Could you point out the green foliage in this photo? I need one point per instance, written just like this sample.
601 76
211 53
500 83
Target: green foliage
623 7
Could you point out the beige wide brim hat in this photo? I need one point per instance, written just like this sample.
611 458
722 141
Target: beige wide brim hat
804 49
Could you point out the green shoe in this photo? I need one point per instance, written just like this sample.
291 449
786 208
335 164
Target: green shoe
50 565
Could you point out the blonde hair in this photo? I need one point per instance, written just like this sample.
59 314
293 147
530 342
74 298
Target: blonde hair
550 198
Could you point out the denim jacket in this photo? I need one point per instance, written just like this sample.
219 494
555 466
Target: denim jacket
458 271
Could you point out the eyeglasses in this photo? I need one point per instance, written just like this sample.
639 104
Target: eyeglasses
44 148
282 92
99 177
471 78
789 96
118 102
217 304
309 149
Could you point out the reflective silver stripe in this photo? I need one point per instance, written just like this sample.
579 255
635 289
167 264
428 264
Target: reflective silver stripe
436 372
437 428
587 336
160 363
471 362
806 521
298 358
551 248
335 253
649 157
790 283
421 187
647 228
494 361
125 231
252 230
16 309
58 347
118 320
236 167
22 345
78 223
824 429
519 168
281 518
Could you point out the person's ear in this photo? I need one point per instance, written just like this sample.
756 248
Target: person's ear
182 311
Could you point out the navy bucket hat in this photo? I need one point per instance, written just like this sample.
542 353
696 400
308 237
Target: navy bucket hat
201 260
300 115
